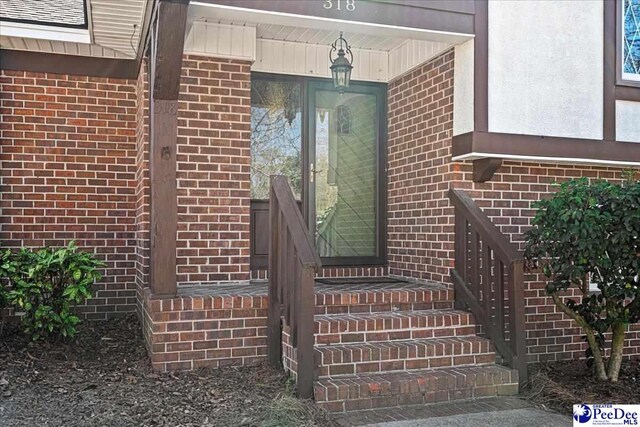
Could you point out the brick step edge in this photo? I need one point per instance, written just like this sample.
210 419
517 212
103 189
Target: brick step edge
360 358
383 307
359 392
392 326
379 296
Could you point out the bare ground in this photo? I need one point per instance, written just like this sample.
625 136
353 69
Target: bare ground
103 378
560 385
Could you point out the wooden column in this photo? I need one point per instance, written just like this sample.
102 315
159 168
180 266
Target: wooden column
166 47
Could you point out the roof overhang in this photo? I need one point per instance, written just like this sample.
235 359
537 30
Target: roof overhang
384 19
45 32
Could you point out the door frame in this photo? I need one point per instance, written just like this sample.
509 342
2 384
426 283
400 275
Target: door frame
306 85
379 90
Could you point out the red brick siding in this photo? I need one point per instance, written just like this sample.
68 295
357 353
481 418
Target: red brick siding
213 170
334 272
507 200
193 332
421 222
142 195
68 173
419 152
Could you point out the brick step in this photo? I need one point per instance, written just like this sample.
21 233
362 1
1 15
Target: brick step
349 359
362 298
392 326
368 391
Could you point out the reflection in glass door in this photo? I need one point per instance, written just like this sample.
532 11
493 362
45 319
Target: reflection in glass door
276 134
344 158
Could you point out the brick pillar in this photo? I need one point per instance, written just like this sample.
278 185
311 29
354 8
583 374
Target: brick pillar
214 138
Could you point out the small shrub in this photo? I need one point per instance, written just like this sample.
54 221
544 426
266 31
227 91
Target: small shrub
590 233
46 284
7 269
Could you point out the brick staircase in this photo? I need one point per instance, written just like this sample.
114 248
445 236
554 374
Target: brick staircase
392 344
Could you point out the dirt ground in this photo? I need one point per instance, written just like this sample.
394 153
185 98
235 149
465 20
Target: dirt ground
102 378
560 385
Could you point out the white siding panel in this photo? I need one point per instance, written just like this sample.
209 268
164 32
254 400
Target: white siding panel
221 40
411 54
628 121
545 68
276 56
112 24
299 52
463 89
66 48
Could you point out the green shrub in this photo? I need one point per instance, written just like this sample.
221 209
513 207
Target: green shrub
7 269
590 233
46 284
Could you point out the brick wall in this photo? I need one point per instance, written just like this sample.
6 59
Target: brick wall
68 173
420 109
142 190
421 221
507 200
191 332
213 170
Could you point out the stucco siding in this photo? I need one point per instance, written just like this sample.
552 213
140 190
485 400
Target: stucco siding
546 68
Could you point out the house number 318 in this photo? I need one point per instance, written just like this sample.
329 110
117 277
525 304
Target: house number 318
350 5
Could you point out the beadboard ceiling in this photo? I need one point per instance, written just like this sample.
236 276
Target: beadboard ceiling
324 37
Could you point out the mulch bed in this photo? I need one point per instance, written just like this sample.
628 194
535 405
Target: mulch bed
560 385
103 378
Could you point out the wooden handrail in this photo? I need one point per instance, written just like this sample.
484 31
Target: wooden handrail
489 280
293 263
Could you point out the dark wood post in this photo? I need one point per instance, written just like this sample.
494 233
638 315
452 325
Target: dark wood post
305 306
274 322
518 328
166 47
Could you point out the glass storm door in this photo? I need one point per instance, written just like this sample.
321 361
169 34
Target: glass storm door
345 183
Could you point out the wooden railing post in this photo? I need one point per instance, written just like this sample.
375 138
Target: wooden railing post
306 307
517 318
293 262
274 322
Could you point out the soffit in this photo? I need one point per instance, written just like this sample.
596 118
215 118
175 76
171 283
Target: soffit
325 37
115 28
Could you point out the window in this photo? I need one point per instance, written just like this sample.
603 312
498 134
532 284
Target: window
630 40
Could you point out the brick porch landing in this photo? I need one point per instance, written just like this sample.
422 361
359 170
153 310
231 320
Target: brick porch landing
377 345
223 325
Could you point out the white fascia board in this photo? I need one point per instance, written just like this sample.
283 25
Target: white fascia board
44 32
240 14
542 159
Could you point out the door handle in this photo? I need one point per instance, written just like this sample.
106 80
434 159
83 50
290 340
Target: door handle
312 172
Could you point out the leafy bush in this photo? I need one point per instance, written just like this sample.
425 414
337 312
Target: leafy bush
590 233
46 284
7 268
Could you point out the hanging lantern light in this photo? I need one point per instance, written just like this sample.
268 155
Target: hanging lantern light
340 64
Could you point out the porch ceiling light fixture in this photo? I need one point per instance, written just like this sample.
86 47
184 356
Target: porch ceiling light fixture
340 65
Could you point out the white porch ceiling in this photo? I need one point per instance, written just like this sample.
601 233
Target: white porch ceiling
324 37
273 45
